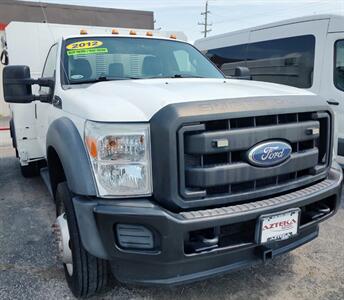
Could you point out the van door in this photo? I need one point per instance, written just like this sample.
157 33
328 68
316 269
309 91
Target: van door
332 87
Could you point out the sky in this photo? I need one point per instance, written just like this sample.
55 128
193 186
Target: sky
225 15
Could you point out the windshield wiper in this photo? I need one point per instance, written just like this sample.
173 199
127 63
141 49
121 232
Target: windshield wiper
103 78
108 78
185 76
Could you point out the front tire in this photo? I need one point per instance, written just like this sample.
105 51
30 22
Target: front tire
89 274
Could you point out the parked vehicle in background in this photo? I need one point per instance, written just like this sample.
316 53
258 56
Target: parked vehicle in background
305 52
163 170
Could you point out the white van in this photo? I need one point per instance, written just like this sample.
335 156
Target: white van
305 52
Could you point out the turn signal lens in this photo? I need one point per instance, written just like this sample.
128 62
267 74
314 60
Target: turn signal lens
115 31
132 32
83 31
92 146
149 33
173 36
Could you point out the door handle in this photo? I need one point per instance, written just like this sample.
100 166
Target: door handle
333 102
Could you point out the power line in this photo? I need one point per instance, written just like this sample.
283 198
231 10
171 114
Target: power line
205 23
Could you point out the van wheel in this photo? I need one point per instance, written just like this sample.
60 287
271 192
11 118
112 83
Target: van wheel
86 274
31 170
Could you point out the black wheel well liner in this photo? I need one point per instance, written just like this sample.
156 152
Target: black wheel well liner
56 171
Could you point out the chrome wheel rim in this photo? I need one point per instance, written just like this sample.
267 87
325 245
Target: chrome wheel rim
62 237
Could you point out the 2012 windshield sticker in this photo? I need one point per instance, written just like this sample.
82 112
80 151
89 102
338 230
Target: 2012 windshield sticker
87 51
84 45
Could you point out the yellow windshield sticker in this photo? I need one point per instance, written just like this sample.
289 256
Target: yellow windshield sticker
84 45
87 51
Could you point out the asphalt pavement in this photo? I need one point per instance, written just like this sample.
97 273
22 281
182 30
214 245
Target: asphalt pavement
29 268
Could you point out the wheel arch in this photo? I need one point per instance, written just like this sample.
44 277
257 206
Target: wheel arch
67 158
56 171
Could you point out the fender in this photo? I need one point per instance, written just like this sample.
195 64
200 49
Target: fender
65 139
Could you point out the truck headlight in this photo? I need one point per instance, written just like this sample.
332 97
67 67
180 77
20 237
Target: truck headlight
121 158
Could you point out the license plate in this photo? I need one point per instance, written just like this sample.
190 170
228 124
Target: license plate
278 226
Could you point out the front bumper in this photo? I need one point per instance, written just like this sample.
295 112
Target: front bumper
169 264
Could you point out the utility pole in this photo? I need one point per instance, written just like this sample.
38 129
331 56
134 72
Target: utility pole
205 23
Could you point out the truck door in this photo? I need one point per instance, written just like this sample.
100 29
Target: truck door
43 110
332 88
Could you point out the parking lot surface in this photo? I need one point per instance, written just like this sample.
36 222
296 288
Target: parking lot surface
29 268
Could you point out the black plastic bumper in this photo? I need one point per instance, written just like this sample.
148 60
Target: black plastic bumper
169 264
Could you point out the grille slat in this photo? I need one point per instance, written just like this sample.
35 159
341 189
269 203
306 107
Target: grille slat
241 139
241 172
224 171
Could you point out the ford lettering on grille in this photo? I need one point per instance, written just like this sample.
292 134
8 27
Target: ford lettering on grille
269 154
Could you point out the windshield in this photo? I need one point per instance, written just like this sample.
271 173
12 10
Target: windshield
118 58
339 65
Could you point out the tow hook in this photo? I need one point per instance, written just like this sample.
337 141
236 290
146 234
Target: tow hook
62 238
318 211
204 240
205 244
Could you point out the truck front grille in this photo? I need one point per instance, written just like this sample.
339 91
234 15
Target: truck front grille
207 172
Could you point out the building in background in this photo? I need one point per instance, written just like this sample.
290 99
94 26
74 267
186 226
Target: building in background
11 10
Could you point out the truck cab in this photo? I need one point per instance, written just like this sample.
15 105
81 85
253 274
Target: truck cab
163 170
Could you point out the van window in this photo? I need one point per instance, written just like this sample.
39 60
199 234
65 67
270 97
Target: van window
228 58
339 65
287 61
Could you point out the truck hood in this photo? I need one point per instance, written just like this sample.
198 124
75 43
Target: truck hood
139 100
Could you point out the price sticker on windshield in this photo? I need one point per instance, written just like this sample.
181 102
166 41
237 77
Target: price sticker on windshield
88 44
87 51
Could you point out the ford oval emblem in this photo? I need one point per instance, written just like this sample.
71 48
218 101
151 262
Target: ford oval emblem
269 154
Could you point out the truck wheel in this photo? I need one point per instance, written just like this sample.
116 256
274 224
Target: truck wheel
31 170
86 274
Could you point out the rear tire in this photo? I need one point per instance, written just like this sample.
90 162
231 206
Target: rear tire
89 273
31 170
13 137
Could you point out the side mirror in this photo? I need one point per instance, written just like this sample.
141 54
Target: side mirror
17 83
242 73
16 88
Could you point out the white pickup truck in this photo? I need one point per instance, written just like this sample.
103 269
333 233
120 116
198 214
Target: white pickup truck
163 170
